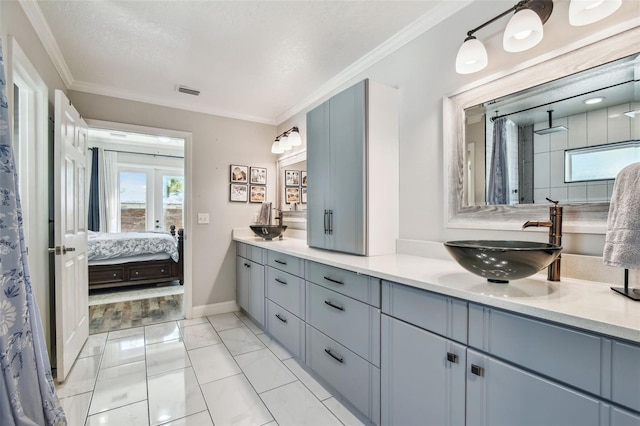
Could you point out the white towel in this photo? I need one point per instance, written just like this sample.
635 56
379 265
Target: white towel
622 244
265 214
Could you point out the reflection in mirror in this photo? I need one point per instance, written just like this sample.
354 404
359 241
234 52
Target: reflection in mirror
540 88
565 139
292 192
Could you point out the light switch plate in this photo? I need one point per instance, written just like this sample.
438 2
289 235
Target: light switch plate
203 218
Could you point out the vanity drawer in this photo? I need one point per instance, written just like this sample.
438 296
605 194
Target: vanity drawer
287 329
286 290
286 263
255 254
348 321
361 287
241 249
353 377
436 313
564 354
625 374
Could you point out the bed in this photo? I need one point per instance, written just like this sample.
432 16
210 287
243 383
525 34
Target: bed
135 258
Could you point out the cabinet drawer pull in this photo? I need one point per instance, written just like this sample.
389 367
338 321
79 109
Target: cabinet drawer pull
337 358
326 219
280 262
161 270
452 357
340 308
280 318
115 275
137 273
477 370
278 280
333 281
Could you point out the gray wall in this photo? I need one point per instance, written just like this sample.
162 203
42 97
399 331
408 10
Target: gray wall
424 72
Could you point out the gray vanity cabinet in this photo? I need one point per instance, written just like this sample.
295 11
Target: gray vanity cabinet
335 172
423 367
250 281
502 394
285 299
422 376
352 145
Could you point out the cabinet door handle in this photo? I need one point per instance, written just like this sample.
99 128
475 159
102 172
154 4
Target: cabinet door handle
247 265
337 358
330 222
326 221
278 280
477 370
452 357
282 262
333 281
280 318
340 308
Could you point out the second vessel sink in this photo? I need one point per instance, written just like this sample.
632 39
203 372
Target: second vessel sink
500 261
268 232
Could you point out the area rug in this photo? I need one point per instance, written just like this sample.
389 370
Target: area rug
134 313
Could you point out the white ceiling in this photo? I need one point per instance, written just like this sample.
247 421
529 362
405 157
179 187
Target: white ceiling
262 60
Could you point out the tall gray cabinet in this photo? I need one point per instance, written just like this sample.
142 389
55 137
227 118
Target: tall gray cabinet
352 171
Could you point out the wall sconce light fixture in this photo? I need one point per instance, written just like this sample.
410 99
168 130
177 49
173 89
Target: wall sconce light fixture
286 140
524 29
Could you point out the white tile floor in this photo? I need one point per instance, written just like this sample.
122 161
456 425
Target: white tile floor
220 370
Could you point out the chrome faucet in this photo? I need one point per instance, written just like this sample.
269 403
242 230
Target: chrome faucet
555 235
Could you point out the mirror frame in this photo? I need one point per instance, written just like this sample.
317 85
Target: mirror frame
590 218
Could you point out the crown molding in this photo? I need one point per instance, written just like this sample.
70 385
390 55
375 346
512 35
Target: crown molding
427 21
113 92
39 24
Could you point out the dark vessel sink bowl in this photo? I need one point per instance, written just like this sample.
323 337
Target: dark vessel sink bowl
268 232
501 261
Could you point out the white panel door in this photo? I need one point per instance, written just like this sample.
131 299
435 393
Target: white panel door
70 235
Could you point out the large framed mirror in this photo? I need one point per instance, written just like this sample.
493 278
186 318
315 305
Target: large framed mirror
535 134
292 189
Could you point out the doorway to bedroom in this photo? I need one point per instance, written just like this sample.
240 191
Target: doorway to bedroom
137 210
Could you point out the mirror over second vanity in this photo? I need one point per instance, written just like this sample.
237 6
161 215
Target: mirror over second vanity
505 152
292 189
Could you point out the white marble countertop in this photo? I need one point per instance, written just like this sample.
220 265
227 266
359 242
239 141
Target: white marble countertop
587 305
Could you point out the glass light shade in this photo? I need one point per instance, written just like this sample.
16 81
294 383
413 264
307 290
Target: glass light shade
276 148
585 12
523 31
472 57
294 138
284 143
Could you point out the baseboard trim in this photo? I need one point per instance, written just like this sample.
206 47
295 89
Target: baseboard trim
214 309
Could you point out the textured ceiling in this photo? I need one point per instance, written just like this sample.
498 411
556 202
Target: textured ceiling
257 60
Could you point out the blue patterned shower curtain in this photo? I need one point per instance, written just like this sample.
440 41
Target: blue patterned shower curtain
27 393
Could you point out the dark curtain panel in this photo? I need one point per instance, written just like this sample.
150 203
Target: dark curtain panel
94 194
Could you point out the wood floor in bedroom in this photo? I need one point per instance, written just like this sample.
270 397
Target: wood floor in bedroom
134 313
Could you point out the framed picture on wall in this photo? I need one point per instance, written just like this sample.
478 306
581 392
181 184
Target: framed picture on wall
292 195
303 196
238 173
292 177
303 176
258 176
238 193
258 193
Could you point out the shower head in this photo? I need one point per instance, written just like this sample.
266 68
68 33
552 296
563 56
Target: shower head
551 128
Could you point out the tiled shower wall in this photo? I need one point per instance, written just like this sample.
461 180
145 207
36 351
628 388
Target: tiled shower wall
596 127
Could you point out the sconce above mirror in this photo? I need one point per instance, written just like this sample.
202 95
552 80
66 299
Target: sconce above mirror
530 141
